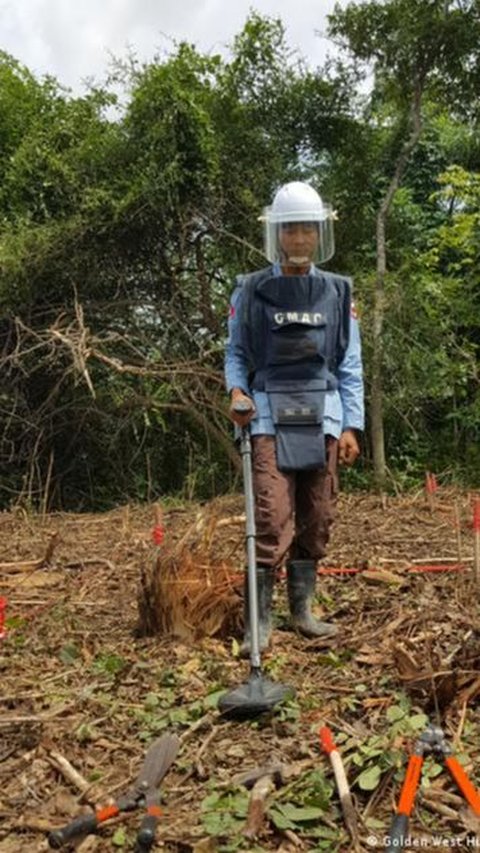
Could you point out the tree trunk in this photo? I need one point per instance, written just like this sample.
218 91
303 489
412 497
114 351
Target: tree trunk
376 401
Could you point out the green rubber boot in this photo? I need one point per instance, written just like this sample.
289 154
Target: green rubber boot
265 583
301 579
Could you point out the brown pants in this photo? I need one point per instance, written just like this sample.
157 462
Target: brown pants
293 511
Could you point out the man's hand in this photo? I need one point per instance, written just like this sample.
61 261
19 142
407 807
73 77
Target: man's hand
242 408
348 447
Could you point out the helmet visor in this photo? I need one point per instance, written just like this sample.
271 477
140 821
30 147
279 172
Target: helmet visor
299 237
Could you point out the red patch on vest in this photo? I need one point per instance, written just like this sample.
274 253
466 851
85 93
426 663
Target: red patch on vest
232 311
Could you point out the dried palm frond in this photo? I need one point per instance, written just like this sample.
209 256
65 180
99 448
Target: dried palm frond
186 592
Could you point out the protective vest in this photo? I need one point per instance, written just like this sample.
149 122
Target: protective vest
296 333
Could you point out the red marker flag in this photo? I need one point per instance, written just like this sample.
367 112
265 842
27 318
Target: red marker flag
158 534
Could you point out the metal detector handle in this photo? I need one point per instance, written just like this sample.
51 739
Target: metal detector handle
243 407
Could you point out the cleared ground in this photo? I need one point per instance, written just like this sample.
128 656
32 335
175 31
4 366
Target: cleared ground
80 686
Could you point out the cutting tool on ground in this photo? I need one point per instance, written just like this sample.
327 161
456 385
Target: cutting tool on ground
143 794
431 742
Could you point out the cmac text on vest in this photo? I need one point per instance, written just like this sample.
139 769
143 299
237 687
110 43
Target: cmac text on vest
306 318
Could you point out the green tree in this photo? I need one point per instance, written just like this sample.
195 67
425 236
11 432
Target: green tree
119 239
118 244
412 51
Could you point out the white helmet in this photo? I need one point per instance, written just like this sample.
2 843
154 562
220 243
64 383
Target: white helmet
298 202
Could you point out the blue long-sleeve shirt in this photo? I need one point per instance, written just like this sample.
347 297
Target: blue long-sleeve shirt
344 407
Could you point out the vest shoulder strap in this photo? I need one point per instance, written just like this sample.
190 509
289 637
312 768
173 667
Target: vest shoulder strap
343 286
248 282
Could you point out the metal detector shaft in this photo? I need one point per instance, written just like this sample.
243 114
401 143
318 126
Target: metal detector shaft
250 536
258 695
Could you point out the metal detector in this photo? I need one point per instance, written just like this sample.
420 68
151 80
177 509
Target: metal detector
258 695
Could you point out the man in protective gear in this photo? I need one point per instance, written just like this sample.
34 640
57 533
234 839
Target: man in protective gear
293 358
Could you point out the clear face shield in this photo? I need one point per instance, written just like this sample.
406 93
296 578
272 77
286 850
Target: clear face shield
299 238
